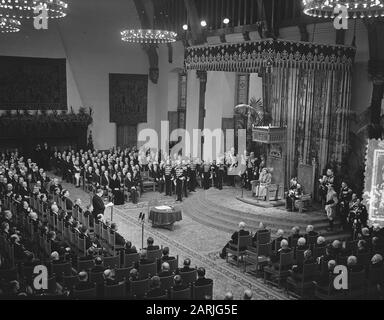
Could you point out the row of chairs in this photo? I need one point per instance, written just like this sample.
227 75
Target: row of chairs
139 290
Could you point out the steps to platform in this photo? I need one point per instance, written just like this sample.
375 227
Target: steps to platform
218 211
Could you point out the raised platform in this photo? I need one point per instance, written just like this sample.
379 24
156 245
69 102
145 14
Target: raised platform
224 209
258 203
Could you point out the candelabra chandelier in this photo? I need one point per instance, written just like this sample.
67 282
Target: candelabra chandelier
355 8
8 25
24 9
149 36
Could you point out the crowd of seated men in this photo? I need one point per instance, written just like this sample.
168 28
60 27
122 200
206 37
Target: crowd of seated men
363 254
32 203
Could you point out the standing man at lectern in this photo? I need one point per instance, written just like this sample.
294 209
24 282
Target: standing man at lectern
98 203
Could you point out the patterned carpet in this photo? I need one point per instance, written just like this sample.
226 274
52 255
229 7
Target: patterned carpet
189 239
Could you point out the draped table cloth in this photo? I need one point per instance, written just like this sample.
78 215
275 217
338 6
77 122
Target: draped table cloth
164 217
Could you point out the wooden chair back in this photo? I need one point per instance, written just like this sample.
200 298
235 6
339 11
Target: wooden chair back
111 262
85 265
310 271
356 280
115 291
62 269
139 288
264 237
200 292
244 242
189 277
154 254
130 259
173 264
166 283
264 249
85 294
181 295
318 251
96 277
299 256
147 270
70 281
122 273
286 259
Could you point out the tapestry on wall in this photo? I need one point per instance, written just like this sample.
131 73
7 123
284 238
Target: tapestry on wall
128 98
33 83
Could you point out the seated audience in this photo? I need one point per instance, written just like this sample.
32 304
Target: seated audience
178 284
201 279
165 270
234 239
150 246
83 283
155 290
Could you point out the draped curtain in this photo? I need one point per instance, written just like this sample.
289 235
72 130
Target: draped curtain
313 104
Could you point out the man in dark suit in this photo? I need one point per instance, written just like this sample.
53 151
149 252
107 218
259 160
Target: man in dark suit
279 237
178 284
186 267
98 203
144 259
201 279
83 282
150 246
156 290
84 234
119 239
262 229
109 278
165 270
98 266
234 239
129 249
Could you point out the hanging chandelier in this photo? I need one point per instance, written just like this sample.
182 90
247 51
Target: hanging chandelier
149 36
355 8
24 9
8 25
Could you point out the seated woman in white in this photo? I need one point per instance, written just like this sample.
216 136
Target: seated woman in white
264 181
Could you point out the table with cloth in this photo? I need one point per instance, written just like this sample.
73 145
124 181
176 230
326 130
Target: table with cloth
164 216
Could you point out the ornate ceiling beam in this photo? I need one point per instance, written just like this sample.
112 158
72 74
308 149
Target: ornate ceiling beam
198 35
146 13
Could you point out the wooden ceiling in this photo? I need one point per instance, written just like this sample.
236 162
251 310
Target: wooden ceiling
266 16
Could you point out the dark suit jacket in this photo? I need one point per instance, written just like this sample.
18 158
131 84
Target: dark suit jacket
84 286
203 282
156 292
164 274
130 251
179 287
119 239
236 234
98 205
152 248
98 269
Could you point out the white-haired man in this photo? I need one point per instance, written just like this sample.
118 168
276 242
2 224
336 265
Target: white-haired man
247 294
279 237
284 248
234 238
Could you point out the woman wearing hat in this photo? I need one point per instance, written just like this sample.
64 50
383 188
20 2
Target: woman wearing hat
264 183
